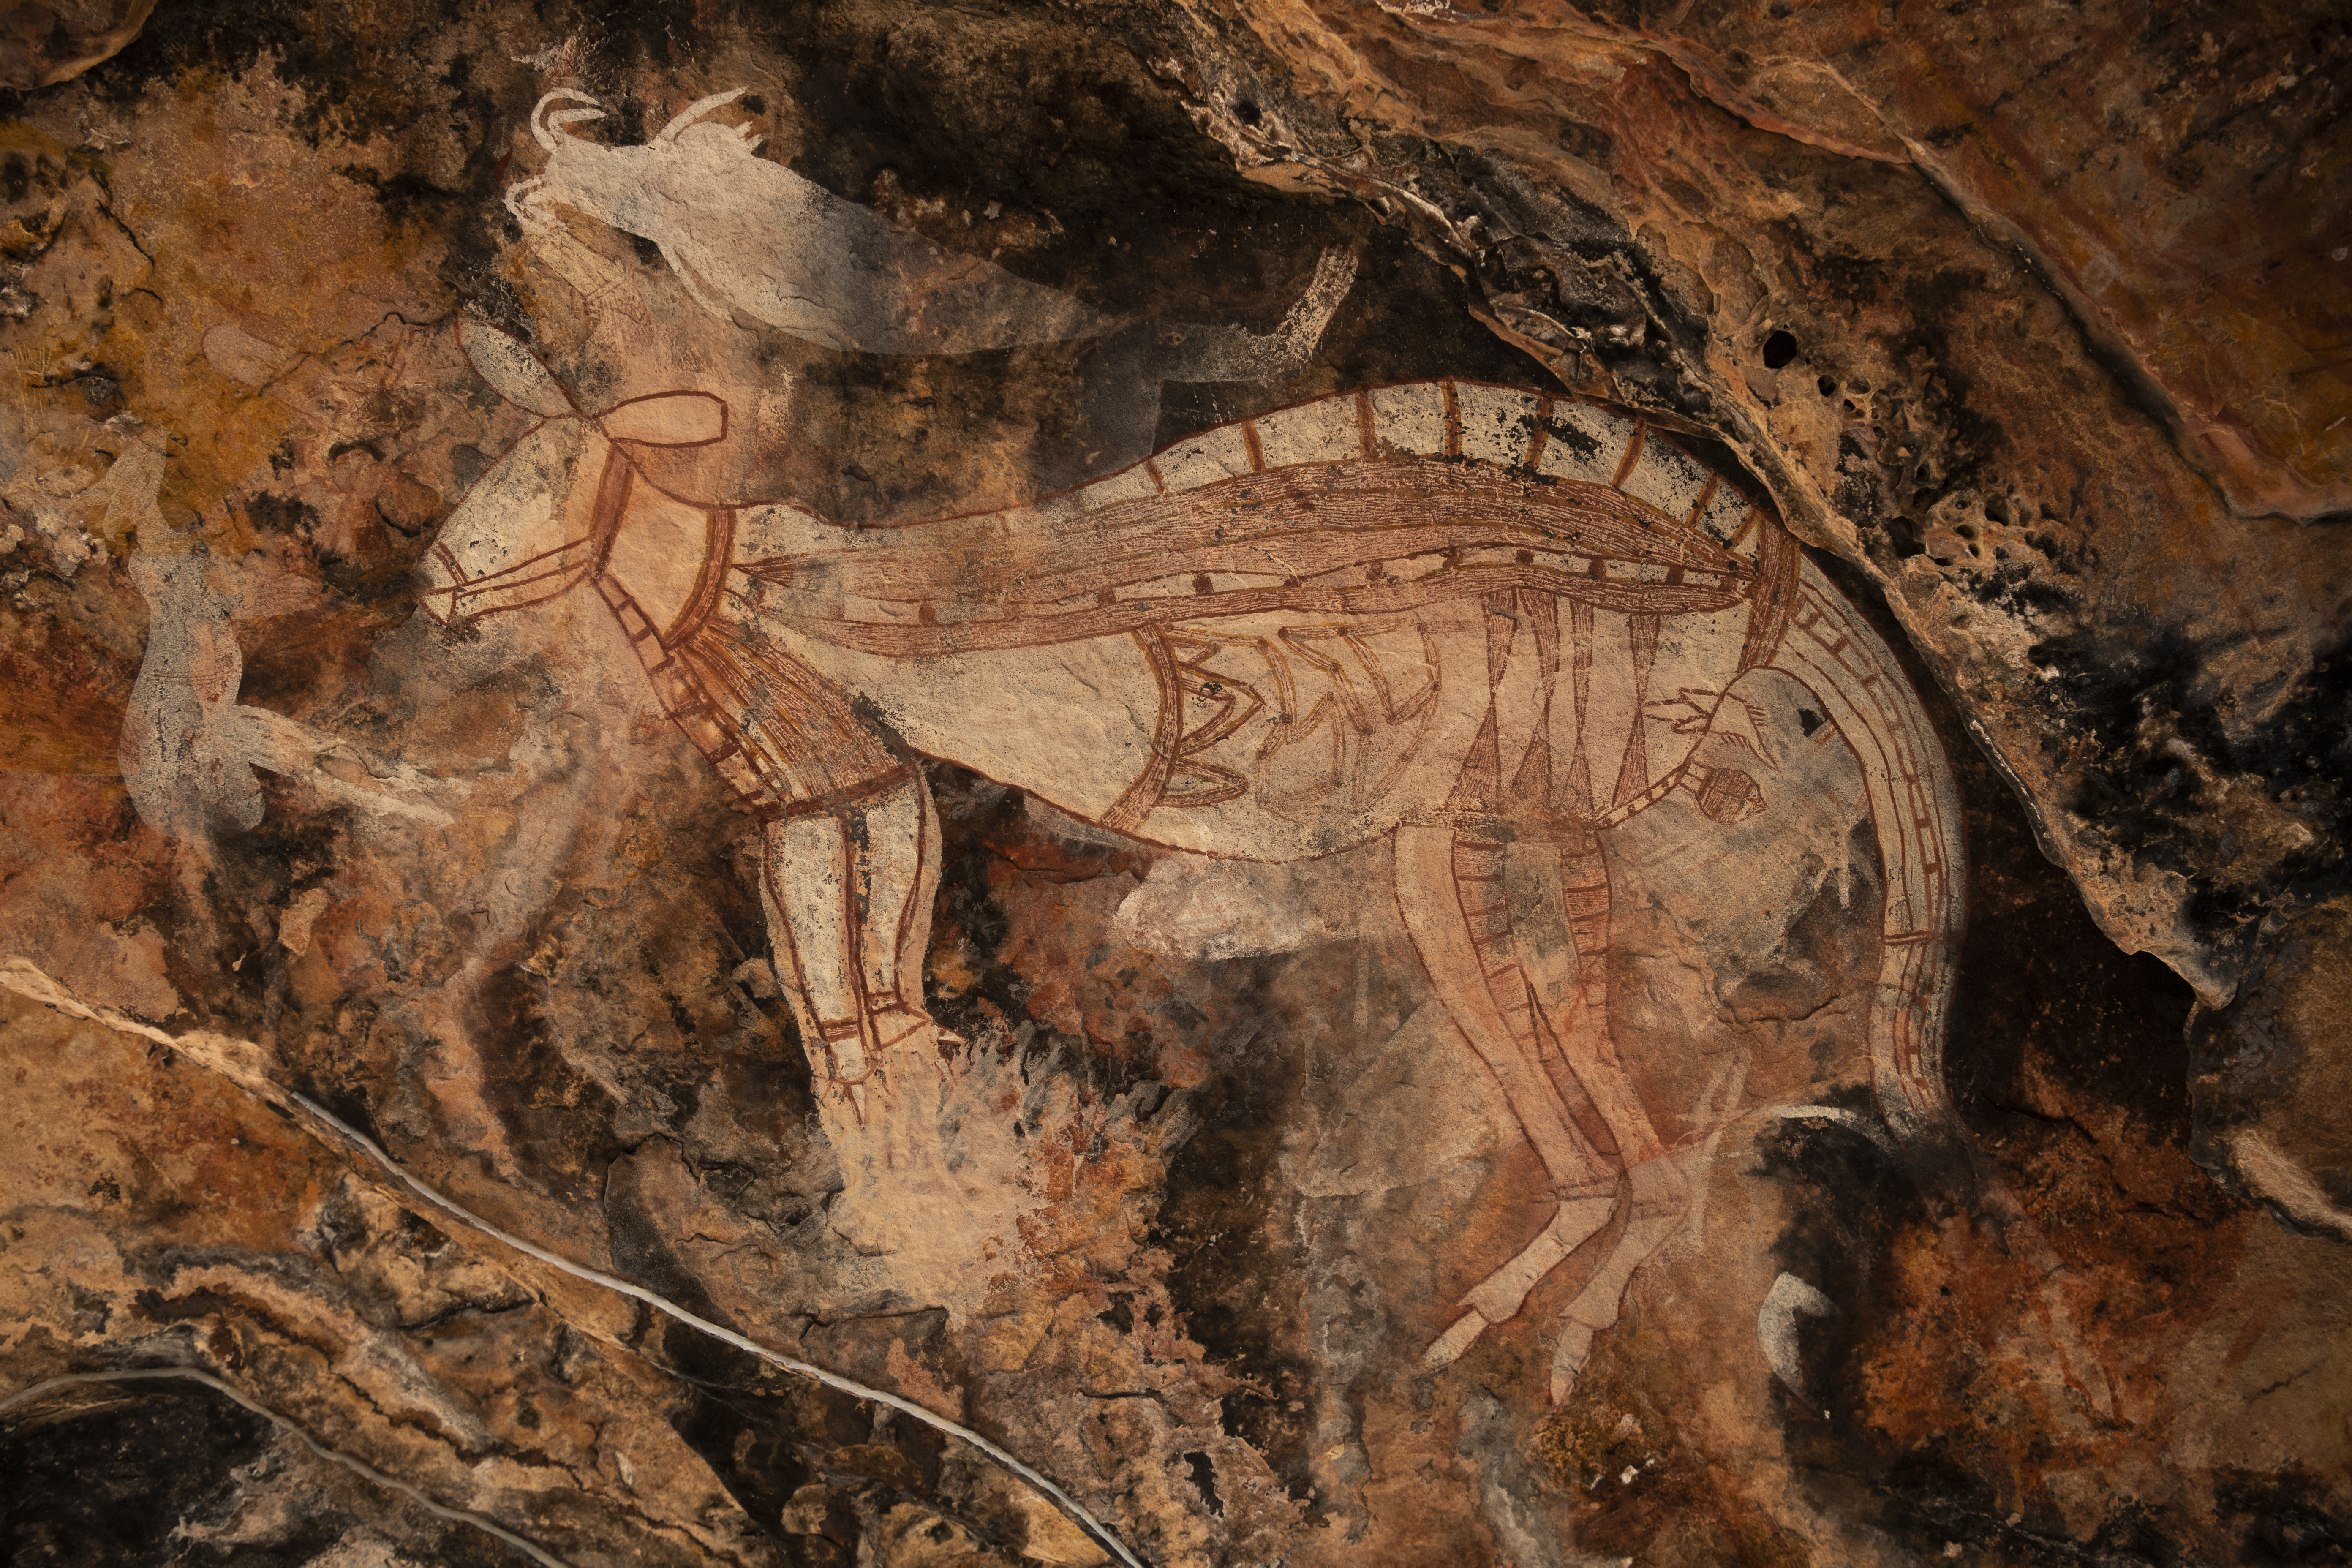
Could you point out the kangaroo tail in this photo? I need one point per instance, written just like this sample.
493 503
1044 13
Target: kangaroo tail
1915 807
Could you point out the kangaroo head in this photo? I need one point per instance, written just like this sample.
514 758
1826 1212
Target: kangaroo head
527 531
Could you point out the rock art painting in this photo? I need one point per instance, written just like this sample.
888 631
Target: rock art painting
900 787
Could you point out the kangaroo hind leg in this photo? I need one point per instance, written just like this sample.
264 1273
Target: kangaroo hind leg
1578 1014
1451 891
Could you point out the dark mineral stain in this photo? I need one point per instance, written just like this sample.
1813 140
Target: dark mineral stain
2275 1521
281 514
1847 1198
347 1103
1204 1481
754 1450
111 1486
558 1119
1231 1248
2144 701
468 464
1573 438
973 811
112 1477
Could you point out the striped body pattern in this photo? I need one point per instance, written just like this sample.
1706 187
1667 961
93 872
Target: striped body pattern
1314 618
1487 624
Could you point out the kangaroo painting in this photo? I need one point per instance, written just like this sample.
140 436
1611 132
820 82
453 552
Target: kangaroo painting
1331 785
1486 624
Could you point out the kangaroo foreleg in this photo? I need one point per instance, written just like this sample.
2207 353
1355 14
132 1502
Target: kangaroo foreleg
848 894
896 845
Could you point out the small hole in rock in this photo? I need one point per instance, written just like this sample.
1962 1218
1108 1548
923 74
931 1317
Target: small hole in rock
1779 350
1829 387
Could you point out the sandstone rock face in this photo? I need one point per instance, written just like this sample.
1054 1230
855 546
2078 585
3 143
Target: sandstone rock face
1177 785
41 46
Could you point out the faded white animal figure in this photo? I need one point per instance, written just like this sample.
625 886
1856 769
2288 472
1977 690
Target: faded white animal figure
189 748
743 233
751 240
746 234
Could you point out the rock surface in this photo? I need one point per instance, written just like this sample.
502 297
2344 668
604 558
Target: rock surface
2028 320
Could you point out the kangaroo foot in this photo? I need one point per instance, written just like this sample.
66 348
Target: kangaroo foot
868 1082
1660 1197
904 1035
1498 1297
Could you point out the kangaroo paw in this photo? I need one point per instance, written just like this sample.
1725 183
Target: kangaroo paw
1660 1197
1568 1359
902 1029
1501 1294
1447 1348
1498 1297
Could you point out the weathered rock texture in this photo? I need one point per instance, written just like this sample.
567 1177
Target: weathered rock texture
2031 319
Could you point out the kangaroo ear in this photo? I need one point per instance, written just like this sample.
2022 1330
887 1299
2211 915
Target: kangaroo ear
511 369
668 419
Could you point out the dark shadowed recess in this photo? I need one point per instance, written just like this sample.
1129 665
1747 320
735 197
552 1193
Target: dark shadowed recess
1239 1273
134 1474
2061 1049
811 1467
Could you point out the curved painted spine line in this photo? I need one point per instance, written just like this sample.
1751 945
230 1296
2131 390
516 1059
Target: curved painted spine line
240 1061
360 1468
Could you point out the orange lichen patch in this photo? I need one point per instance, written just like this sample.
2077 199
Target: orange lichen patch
154 254
2025 1372
81 880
